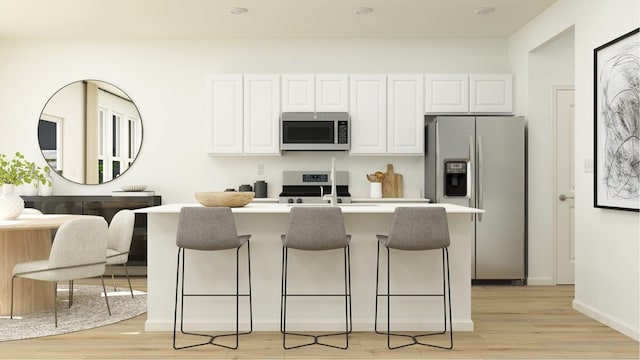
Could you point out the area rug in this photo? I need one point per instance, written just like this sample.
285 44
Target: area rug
88 311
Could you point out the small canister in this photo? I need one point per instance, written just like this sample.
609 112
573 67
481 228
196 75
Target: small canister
245 187
260 188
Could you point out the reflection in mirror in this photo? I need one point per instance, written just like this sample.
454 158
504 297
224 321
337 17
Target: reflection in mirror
90 132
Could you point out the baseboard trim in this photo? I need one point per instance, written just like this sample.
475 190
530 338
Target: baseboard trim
613 323
540 281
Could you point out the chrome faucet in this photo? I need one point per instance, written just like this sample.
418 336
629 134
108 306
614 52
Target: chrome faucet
333 197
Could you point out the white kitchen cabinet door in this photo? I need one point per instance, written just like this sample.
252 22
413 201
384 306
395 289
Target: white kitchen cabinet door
225 114
405 116
261 114
490 93
446 93
368 110
298 92
332 92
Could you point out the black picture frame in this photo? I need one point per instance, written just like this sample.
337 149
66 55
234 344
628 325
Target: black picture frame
616 175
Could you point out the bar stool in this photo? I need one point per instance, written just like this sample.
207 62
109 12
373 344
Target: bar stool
415 229
209 229
315 229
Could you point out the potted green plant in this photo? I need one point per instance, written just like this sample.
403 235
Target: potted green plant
19 171
34 178
12 173
46 183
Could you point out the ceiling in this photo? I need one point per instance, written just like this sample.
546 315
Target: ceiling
265 18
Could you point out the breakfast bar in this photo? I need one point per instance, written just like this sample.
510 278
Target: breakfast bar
210 272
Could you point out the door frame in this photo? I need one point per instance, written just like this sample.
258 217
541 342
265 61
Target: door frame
554 127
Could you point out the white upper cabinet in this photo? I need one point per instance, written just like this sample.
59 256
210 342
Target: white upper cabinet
468 93
261 114
405 115
490 93
320 92
225 114
447 93
368 111
298 92
332 92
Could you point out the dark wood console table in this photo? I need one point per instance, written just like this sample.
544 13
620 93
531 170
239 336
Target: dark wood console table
105 206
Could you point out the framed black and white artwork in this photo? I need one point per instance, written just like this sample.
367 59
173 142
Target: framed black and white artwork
617 123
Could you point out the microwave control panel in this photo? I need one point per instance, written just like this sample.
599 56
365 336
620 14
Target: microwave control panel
343 132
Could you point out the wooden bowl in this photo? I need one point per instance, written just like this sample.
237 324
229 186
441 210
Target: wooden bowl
224 198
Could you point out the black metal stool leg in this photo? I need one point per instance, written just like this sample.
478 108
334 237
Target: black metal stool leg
446 295
180 281
375 327
249 274
180 286
349 278
282 286
346 295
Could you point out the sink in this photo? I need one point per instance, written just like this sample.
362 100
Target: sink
358 204
307 204
327 204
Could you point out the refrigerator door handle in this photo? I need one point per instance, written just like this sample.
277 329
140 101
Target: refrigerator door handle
470 176
480 177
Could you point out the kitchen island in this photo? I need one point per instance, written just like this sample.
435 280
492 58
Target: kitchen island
308 271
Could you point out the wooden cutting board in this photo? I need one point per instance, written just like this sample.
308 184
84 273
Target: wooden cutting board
391 183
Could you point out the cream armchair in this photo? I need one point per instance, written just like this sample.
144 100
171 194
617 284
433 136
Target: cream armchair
119 242
78 252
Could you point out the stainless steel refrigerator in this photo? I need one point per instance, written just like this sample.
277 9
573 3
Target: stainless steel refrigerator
479 161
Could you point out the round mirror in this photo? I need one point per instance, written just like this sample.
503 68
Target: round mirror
90 132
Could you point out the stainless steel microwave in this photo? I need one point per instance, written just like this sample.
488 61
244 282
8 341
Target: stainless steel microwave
314 131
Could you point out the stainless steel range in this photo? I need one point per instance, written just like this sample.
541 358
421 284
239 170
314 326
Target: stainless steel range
309 187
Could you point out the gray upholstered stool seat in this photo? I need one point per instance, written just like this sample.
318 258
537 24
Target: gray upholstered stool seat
315 229
209 229
416 229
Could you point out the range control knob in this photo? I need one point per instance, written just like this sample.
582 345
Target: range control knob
299 201
290 200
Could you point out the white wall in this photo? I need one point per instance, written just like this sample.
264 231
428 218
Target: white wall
167 81
607 250
550 64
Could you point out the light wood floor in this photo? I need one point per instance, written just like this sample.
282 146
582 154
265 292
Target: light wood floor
511 322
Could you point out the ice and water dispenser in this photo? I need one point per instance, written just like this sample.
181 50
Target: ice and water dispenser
456 173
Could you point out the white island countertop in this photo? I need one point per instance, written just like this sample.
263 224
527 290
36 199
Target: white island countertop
354 208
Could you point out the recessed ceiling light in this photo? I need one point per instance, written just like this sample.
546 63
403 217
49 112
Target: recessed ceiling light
484 10
238 10
363 11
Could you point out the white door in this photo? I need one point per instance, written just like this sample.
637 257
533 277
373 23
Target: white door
563 111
